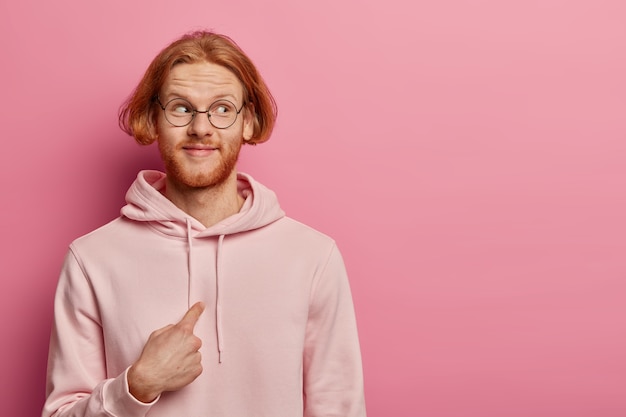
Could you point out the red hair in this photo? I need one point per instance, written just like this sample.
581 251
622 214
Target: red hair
137 116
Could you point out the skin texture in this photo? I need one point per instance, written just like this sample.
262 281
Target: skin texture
201 180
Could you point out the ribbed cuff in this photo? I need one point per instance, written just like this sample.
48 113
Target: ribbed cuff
118 400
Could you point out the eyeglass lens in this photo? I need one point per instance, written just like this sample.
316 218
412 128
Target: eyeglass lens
180 112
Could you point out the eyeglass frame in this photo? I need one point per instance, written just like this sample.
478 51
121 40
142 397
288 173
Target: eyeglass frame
196 111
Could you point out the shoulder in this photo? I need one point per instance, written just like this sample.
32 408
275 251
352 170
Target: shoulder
115 230
296 239
303 231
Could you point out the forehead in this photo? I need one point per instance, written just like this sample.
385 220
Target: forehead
201 79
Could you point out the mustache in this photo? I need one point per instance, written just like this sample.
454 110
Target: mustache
197 145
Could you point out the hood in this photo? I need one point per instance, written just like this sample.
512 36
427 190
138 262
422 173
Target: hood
144 202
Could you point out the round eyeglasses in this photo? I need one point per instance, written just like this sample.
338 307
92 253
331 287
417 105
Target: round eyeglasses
179 112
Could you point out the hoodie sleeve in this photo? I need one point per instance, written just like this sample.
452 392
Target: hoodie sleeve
333 377
77 382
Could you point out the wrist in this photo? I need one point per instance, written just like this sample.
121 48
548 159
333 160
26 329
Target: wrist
139 388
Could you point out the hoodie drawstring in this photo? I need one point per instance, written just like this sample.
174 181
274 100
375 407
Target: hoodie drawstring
218 278
218 302
189 263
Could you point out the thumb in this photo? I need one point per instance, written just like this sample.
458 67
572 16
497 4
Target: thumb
191 316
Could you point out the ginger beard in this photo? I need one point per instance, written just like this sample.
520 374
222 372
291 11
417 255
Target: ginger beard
209 173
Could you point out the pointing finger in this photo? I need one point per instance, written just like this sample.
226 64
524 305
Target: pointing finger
191 316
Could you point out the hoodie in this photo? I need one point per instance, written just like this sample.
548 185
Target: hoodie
278 333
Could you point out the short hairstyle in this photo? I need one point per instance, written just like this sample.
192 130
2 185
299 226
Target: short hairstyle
137 116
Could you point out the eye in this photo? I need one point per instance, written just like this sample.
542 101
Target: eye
181 108
222 108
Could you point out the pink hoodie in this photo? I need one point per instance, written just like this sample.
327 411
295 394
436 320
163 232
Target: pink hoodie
279 333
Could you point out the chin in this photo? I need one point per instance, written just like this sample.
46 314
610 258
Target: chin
207 176
211 179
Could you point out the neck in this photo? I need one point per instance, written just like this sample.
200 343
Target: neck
208 205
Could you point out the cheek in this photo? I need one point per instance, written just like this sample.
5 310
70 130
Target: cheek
166 135
166 146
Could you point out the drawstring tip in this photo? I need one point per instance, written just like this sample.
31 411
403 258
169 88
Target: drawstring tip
219 357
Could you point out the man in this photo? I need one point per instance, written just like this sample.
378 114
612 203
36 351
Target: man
203 299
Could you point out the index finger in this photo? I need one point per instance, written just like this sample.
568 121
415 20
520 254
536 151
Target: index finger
191 316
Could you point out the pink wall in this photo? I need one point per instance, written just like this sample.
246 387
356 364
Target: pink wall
468 156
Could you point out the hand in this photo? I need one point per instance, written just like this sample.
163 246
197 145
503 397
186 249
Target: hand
170 359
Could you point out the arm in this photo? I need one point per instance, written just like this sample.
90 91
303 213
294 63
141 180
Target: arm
333 377
77 383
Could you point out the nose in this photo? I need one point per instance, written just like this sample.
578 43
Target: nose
200 126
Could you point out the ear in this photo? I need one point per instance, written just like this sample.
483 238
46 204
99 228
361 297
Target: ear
152 125
154 134
248 122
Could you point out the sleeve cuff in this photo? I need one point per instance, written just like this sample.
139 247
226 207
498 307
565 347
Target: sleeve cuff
118 400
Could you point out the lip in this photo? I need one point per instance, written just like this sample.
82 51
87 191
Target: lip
199 150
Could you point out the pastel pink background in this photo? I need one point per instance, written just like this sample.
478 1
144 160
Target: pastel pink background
468 157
